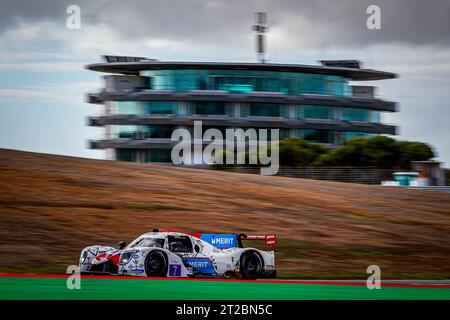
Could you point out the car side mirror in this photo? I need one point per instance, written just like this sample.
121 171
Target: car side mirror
197 248
122 245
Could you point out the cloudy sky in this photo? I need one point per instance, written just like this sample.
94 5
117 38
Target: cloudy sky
43 80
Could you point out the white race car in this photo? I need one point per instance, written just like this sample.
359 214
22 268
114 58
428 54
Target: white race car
170 253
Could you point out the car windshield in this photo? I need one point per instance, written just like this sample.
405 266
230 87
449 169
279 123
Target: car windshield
148 242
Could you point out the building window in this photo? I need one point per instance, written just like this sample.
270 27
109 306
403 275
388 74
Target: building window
125 131
127 107
266 110
354 114
318 136
374 116
350 135
158 131
284 134
143 132
297 133
147 155
335 85
312 84
158 155
317 112
144 107
249 84
159 107
246 81
207 108
126 155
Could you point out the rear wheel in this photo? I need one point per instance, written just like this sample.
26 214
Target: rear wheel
251 265
156 264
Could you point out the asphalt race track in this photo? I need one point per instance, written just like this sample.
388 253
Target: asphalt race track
45 287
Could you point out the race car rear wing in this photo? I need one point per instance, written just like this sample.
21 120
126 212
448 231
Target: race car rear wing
223 241
269 239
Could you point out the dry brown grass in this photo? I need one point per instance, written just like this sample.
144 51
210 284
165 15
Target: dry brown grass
53 206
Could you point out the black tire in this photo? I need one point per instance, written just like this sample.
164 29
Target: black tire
156 264
251 265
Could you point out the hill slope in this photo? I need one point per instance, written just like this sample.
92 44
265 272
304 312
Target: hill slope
53 206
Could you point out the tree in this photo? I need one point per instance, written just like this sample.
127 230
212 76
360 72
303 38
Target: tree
413 151
379 151
350 154
298 152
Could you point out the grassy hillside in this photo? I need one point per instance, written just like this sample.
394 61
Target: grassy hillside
53 206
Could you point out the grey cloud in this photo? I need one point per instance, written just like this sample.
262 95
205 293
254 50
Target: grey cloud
13 12
341 22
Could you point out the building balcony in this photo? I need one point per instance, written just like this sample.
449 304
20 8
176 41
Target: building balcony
244 122
252 97
149 143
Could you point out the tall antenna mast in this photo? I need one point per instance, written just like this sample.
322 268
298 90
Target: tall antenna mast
260 28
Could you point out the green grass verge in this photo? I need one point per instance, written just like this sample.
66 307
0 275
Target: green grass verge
12 288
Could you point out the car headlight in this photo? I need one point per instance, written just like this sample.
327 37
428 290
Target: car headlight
126 256
83 256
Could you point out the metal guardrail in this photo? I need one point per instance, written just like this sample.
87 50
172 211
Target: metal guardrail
364 175
432 188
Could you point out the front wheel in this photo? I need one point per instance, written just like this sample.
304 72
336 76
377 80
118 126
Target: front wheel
251 265
156 264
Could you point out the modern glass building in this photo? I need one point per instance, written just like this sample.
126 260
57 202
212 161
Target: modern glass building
146 99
